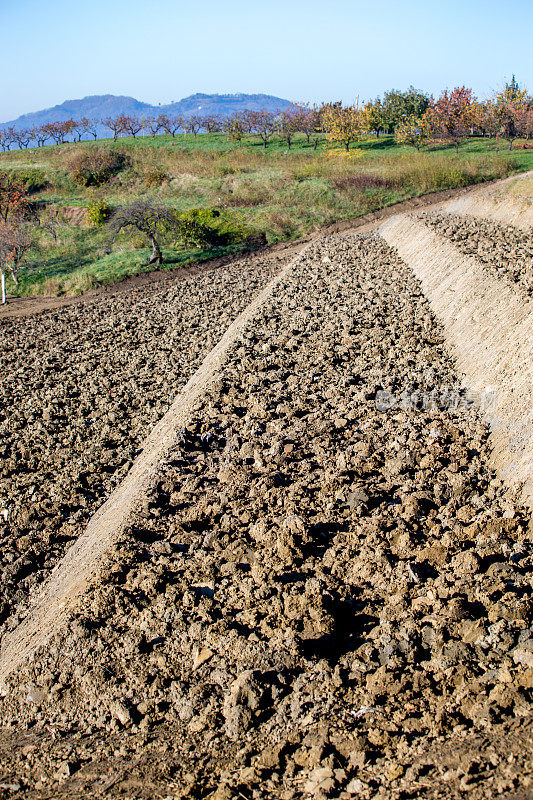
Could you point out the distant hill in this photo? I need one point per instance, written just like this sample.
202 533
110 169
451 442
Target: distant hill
109 105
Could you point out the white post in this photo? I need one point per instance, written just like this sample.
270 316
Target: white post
3 287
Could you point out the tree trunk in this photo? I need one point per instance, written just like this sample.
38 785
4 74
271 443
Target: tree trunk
157 256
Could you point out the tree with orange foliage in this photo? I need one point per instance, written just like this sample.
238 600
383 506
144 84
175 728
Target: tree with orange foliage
452 117
15 241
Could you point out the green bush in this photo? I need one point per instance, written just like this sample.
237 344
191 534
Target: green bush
98 212
206 227
33 180
95 167
197 228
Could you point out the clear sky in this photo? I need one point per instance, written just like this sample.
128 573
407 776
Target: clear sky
163 50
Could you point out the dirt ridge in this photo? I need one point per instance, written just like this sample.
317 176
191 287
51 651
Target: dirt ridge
72 575
490 328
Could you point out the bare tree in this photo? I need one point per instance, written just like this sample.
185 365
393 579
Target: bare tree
49 221
154 125
90 127
171 125
22 138
263 125
150 219
115 124
213 123
7 138
194 124
41 135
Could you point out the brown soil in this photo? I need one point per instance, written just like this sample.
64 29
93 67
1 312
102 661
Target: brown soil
322 596
82 386
506 252
326 590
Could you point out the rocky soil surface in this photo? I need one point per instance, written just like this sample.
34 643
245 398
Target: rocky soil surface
505 251
81 388
328 592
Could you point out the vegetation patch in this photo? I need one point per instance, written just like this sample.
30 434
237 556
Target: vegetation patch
223 196
96 167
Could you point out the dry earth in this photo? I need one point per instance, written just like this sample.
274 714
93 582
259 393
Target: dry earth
327 592
81 388
505 251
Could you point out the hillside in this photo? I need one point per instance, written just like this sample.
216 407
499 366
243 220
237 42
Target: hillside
278 194
109 105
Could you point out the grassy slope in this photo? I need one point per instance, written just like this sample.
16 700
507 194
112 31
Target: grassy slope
284 193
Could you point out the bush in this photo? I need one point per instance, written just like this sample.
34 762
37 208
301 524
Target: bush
233 231
155 178
98 212
33 180
205 227
197 228
95 167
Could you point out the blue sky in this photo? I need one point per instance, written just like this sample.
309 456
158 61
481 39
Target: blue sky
162 50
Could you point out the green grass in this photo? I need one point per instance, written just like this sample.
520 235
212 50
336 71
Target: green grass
284 193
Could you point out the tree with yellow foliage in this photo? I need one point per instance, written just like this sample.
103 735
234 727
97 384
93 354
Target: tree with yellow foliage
373 117
342 125
513 110
413 130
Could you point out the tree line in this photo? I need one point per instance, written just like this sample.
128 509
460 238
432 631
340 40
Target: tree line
413 117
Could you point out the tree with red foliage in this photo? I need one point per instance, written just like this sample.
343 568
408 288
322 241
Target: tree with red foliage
14 233
131 125
14 199
58 131
453 116
115 125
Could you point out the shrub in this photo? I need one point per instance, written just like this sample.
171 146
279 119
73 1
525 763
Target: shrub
33 180
95 167
233 231
197 228
98 212
205 227
155 178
